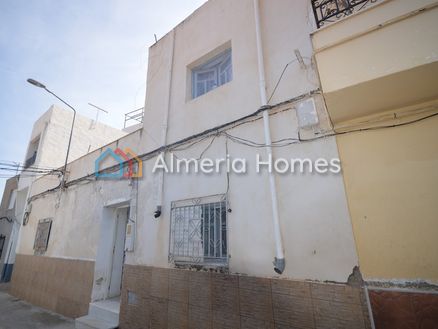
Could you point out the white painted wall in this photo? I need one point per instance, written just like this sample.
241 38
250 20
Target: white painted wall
313 212
53 129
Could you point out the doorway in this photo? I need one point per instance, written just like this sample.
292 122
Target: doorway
118 255
110 256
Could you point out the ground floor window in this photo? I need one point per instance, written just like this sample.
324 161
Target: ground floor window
198 231
42 235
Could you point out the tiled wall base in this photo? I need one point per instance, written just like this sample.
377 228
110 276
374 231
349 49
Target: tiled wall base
404 310
61 285
171 298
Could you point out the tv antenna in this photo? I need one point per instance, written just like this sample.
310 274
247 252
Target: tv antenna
98 109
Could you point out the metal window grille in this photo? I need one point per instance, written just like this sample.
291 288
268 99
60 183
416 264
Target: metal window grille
328 11
198 232
42 235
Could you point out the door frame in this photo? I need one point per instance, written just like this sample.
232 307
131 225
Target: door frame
118 246
104 255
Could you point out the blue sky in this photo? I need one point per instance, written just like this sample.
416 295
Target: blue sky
85 51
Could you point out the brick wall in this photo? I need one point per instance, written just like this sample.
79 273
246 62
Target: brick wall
174 298
61 285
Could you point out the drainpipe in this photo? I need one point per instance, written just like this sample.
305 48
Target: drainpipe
165 125
279 261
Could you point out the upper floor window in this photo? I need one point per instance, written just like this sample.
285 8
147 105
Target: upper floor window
32 152
198 232
212 74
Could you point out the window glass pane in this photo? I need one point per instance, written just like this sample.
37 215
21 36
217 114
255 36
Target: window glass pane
200 89
214 73
211 84
225 69
209 75
205 81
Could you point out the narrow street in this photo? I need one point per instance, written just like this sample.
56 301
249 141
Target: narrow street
17 314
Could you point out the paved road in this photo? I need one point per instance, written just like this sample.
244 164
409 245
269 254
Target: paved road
17 314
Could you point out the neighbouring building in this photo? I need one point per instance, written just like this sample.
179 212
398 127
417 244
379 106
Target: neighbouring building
7 219
124 245
46 153
379 75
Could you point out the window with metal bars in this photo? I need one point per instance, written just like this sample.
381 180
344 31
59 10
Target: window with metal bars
198 232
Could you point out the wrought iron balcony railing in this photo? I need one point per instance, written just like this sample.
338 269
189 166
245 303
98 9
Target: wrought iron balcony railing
328 11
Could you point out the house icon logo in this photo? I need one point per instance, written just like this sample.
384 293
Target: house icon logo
128 164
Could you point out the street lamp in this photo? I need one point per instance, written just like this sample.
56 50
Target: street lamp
40 85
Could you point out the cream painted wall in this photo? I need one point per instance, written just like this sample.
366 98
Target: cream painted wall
386 55
381 50
391 181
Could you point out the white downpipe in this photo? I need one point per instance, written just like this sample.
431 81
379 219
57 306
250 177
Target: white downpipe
165 126
279 261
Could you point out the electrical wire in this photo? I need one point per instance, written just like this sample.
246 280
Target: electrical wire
220 130
281 77
20 165
9 220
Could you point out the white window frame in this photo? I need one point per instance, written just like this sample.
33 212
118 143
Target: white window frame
199 232
221 66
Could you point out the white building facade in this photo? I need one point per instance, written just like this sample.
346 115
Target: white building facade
196 250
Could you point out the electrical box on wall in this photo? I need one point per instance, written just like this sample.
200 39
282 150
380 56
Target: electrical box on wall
130 236
307 115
